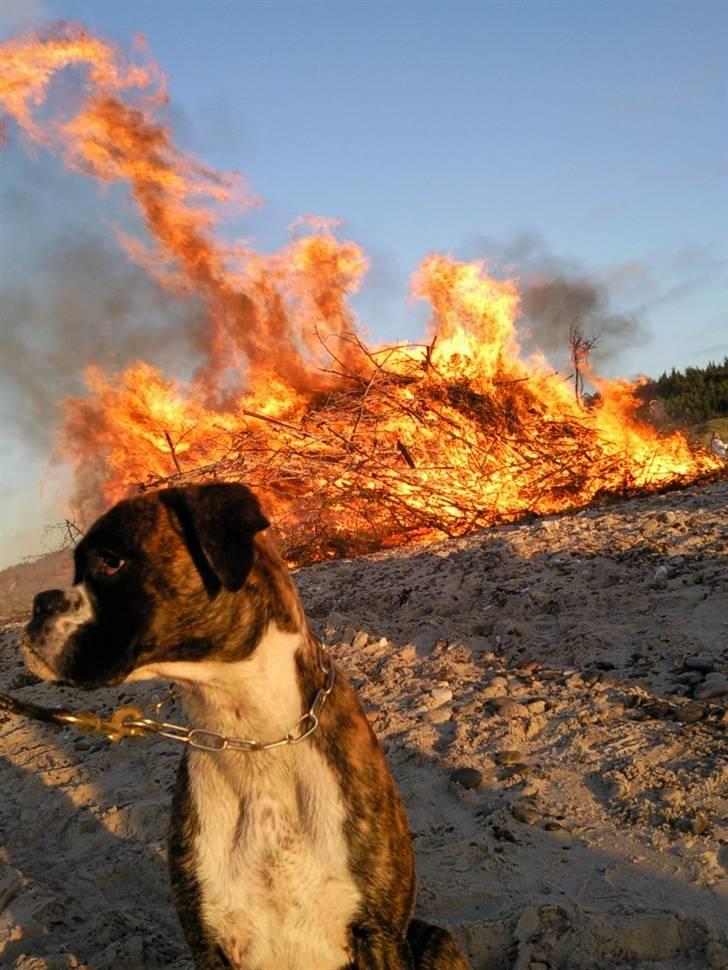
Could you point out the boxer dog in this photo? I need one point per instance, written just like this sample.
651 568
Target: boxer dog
288 849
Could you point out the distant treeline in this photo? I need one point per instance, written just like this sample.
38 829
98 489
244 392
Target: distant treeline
696 393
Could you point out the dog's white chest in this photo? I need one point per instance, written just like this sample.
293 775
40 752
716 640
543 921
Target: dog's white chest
273 864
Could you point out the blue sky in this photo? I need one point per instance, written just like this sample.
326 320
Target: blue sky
588 138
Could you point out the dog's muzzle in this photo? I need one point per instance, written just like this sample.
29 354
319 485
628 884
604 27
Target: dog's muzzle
50 601
57 615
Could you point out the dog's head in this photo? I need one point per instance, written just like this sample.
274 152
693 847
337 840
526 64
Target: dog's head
151 576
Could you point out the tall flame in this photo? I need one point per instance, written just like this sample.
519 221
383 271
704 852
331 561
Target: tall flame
288 394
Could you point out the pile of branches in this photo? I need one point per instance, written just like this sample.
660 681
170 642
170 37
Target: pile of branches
405 453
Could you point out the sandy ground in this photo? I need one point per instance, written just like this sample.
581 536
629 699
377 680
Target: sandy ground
575 666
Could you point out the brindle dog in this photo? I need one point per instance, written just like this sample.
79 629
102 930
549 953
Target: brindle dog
293 858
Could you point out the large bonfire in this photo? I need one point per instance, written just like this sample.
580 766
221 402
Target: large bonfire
352 447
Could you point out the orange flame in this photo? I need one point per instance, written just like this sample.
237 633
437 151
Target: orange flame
449 439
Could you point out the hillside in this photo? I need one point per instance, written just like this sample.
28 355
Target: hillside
20 583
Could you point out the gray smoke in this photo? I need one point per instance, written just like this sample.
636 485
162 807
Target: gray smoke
552 306
69 297
557 294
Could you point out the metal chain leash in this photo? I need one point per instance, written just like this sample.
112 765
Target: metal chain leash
129 721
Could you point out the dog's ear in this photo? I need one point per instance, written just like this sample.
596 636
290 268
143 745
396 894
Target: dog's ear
218 523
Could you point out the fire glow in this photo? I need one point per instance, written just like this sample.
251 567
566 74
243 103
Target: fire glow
351 447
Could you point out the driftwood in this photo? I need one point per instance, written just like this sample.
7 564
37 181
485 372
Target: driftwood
400 453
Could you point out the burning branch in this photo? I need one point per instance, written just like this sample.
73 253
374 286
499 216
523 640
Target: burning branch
173 452
342 481
581 347
406 454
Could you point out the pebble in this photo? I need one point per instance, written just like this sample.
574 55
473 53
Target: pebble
689 714
361 639
513 709
715 677
514 771
709 690
526 814
536 707
690 677
348 635
508 757
439 715
467 777
463 710
529 924
658 709
498 681
703 664
500 700
441 695
671 796
531 667
661 574
699 825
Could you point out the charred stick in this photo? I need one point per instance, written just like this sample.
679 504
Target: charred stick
174 454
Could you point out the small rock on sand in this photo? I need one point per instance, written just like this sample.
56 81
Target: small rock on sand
439 715
690 714
467 777
508 757
526 813
711 689
441 695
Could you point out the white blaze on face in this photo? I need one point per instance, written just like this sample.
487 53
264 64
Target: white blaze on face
44 652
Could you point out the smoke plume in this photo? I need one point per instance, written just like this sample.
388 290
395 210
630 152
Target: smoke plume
557 294
552 306
68 297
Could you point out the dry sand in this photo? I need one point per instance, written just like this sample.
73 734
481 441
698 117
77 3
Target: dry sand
573 664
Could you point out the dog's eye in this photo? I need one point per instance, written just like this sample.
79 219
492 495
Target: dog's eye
109 564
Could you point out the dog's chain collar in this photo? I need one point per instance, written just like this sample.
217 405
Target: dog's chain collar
207 740
129 721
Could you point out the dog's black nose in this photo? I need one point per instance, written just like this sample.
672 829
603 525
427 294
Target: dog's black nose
49 601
